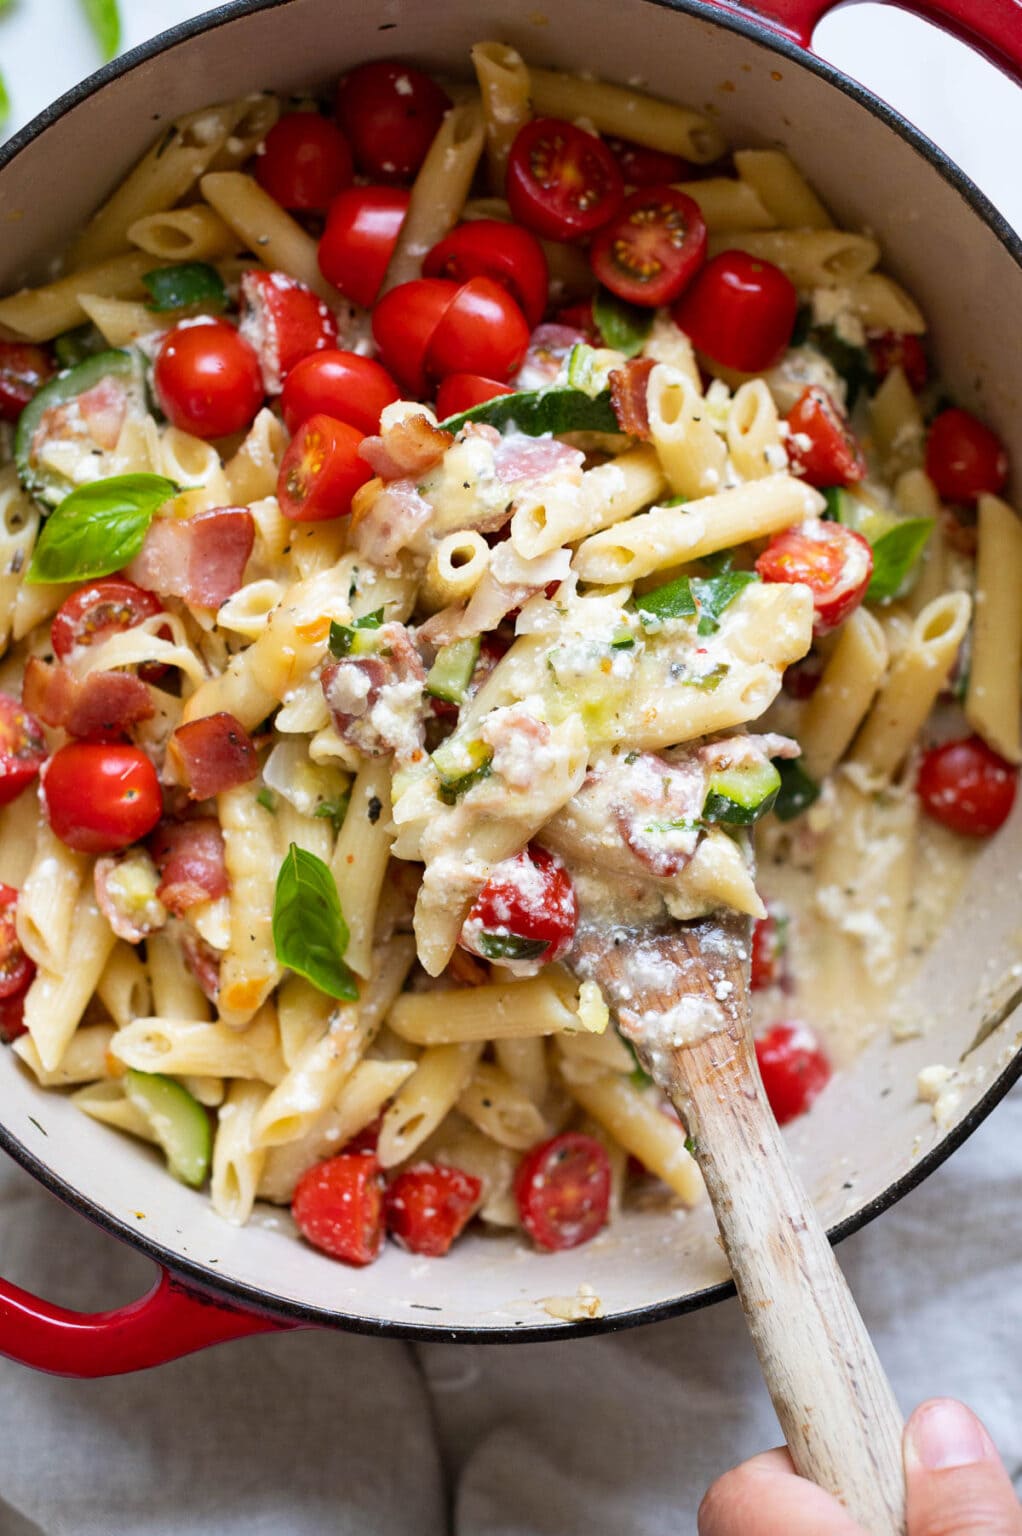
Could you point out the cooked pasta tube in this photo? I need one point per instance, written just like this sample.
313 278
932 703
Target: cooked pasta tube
504 87
84 1060
249 969
193 1047
237 1164
360 859
439 191
454 570
638 1123
496 1104
753 432
812 258
782 189
39 314
123 987
627 114
49 896
562 512
727 203
524 1061
107 1102
184 234
541 1005
898 427
56 1000
434 1088
261 224
693 456
854 672
991 703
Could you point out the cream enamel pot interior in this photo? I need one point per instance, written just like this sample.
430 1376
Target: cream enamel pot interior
868 1140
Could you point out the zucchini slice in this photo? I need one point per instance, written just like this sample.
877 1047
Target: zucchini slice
450 675
49 477
178 1121
741 795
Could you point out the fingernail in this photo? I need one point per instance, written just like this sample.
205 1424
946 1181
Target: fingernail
945 1434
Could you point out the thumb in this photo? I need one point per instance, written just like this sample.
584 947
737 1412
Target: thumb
956 1483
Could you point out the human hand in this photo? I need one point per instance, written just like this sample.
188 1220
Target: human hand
956 1485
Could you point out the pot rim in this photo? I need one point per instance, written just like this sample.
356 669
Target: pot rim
250 1297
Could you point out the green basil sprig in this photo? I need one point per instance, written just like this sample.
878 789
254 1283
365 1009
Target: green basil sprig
309 931
706 595
98 528
538 411
185 286
623 326
895 554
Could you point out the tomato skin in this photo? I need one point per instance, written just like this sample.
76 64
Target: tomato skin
343 385
835 562
98 610
891 349
321 471
461 391
740 311
767 953
338 1207
283 321
831 455
207 379
428 1206
12 1017
481 331
967 787
652 248
963 457
361 232
24 369
101 797
23 748
16 968
506 253
579 317
562 183
530 897
404 324
793 1067
390 113
562 1188
643 167
305 160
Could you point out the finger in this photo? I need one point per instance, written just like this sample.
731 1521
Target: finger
765 1497
955 1480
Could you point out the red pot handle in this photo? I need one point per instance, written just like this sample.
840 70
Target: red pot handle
170 1320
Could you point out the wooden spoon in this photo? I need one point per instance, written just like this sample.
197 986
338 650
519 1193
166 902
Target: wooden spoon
680 994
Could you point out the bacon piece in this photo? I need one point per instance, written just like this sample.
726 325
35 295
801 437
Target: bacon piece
99 707
407 448
535 458
212 754
549 349
201 559
202 960
377 702
189 856
740 751
628 385
397 520
283 321
127 896
103 409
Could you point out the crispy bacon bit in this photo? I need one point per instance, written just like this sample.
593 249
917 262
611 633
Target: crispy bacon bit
202 960
201 559
377 701
397 520
190 859
212 754
99 707
735 751
628 386
127 896
409 447
518 457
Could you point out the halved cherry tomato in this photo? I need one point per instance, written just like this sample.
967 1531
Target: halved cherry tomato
563 1190
321 471
429 1204
207 379
652 248
16 969
100 797
461 391
305 160
562 182
359 239
506 253
891 349
24 369
966 786
343 385
404 324
98 610
527 910
482 331
767 953
820 445
793 1067
338 1207
834 562
963 457
22 748
390 113
283 321
12 1017
740 311
643 167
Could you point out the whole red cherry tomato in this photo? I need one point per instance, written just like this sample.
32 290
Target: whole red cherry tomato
22 748
740 311
207 379
652 248
793 1067
101 796
359 239
767 953
98 610
305 160
404 324
963 457
390 113
338 1207
561 182
643 167
343 385
482 331
966 786
428 1205
461 391
563 1190
834 562
527 910
321 471
24 369
820 444
891 349
16 969
504 252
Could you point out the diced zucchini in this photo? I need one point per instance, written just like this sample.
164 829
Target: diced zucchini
189 285
589 368
40 480
510 946
460 765
450 675
358 638
741 795
73 347
178 1121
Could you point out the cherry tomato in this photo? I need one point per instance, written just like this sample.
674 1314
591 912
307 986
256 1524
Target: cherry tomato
22 748
504 252
642 167
740 311
820 446
390 113
963 457
367 1139
338 1207
793 1067
304 162
283 321
526 910
16 969
482 331
429 1204
461 391
12 1017
359 239
563 1190
802 678
24 369
767 953
579 317
561 182
652 248
100 797
965 786
98 610
207 379
890 349
343 385
834 562
321 471
404 323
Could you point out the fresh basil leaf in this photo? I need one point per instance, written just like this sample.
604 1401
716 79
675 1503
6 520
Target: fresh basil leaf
623 326
797 792
309 931
105 20
851 363
267 800
98 528
715 593
538 411
333 810
691 1145
895 554
187 285
673 601
511 946
640 1078
5 102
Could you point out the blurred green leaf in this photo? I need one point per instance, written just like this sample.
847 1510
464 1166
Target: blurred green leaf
5 100
105 21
